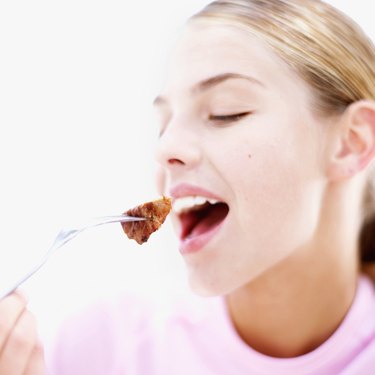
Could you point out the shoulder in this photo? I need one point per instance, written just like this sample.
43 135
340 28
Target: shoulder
364 361
92 341
115 336
364 337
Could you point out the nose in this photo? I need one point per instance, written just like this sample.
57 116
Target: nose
179 147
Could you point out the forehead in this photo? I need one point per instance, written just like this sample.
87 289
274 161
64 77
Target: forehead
206 49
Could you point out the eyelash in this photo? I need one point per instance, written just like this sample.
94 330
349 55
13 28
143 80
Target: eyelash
228 118
223 119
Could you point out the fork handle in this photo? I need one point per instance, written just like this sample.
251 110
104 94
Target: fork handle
64 236
26 276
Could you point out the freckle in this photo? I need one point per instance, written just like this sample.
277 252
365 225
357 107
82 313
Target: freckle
249 156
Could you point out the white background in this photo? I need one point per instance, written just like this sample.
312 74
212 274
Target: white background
77 79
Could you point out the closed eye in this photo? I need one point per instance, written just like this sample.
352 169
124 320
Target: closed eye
228 118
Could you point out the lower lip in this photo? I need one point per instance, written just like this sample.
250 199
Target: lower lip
195 244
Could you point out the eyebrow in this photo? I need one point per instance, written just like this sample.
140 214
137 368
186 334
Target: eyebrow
213 81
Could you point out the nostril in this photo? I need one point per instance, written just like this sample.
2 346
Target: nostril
175 162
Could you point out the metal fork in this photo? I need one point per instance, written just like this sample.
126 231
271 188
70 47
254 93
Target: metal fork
64 236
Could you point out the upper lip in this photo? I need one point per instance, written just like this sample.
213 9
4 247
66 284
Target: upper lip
186 190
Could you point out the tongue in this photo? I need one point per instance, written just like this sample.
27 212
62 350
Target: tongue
215 215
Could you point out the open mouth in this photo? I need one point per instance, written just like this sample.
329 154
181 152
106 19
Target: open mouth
199 215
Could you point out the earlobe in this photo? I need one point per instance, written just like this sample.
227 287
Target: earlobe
355 141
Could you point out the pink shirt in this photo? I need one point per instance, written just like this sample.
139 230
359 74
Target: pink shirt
197 338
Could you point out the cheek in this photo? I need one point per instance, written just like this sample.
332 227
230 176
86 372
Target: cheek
276 190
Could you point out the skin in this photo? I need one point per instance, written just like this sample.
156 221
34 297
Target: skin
20 350
286 259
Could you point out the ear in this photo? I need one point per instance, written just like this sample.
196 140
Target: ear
354 142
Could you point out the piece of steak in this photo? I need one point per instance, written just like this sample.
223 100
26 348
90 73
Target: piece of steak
155 212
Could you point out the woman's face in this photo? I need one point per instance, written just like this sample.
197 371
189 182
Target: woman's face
236 128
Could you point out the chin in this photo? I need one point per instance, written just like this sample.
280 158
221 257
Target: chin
209 288
204 292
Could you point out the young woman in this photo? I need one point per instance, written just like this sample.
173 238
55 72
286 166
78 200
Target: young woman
267 137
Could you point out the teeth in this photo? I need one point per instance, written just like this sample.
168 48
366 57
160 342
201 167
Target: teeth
184 204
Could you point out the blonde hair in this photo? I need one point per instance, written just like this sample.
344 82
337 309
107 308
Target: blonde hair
328 50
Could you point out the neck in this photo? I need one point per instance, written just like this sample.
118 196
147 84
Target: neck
284 316
294 307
